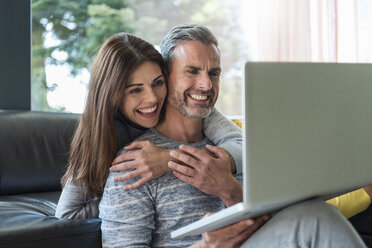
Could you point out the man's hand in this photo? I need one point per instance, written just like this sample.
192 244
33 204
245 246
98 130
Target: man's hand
148 162
233 235
208 170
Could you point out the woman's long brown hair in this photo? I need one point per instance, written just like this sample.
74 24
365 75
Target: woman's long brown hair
95 143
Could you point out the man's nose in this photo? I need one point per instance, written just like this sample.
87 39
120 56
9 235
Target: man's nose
204 82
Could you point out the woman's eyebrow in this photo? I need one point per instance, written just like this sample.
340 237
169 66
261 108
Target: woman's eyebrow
139 84
133 85
161 75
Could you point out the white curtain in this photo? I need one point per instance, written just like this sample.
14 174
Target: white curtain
309 30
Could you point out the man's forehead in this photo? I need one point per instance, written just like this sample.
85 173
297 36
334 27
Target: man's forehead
197 52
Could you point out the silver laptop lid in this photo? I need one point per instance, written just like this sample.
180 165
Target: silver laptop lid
308 130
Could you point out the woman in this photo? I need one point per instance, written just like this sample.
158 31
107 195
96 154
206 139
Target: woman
123 63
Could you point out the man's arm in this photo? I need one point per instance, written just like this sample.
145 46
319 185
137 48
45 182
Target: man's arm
127 215
368 189
225 134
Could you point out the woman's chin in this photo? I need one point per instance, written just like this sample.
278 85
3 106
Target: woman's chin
147 122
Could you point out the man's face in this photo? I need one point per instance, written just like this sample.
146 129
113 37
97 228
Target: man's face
194 78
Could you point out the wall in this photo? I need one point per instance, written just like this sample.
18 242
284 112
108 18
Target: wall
15 54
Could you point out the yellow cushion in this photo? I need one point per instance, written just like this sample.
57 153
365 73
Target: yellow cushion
238 122
351 203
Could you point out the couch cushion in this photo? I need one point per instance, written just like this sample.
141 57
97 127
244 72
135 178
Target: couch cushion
28 221
34 150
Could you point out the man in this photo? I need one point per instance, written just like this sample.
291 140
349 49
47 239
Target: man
144 217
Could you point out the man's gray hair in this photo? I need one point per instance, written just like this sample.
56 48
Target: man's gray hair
182 33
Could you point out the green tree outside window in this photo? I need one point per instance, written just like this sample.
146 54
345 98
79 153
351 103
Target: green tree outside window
78 28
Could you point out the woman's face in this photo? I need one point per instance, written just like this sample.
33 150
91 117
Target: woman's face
144 95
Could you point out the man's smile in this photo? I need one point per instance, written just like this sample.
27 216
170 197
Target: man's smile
199 97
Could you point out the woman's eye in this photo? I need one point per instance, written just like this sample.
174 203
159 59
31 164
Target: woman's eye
135 90
158 83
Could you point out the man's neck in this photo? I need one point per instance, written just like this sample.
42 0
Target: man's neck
179 128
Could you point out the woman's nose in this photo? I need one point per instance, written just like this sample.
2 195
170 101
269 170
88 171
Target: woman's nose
150 96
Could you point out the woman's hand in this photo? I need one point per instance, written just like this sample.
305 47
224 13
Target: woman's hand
148 162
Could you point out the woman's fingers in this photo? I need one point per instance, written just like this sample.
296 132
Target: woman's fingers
128 176
124 157
137 184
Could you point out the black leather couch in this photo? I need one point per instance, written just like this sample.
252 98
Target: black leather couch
33 156
363 224
34 150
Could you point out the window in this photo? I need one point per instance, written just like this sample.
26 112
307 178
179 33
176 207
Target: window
67 34
66 38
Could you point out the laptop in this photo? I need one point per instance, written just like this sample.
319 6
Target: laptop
307 132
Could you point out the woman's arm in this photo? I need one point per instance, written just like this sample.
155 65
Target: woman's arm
226 134
147 161
73 204
150 161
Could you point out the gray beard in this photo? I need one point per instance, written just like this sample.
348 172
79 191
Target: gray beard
180 104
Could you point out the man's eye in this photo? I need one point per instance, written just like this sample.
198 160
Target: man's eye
158 83
135 90
192 71
214 74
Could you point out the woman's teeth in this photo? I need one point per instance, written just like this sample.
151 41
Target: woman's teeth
148 110
199 97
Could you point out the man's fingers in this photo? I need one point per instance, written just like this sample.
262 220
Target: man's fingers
251 226
232 231
215 150
182 177
240 227
185 158
262 219
208 214
195 152
185 170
